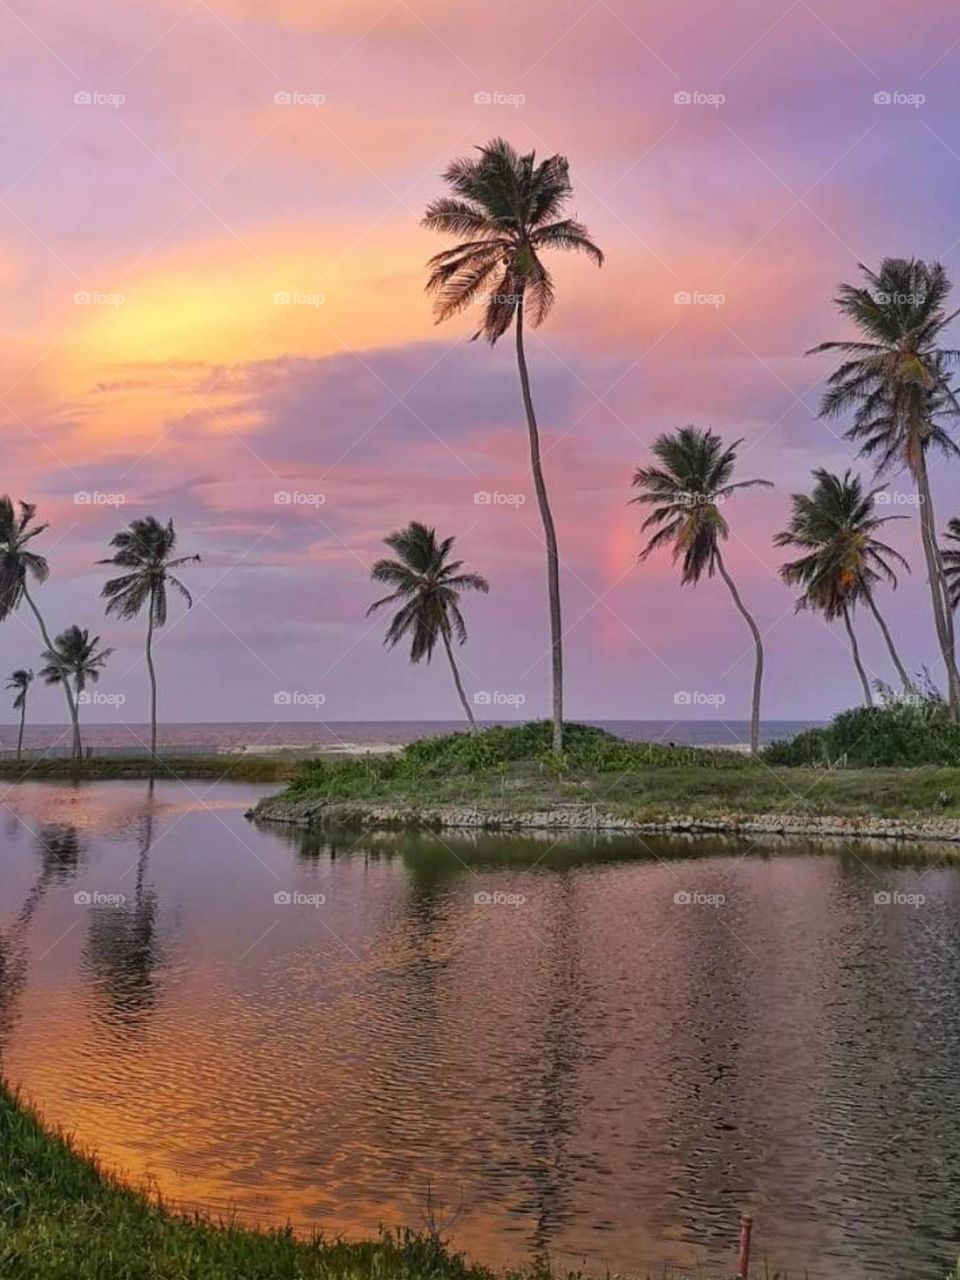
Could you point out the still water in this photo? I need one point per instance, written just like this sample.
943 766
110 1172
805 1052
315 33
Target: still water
596 1051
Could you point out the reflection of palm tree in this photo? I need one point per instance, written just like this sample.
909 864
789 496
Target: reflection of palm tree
60 850
122 951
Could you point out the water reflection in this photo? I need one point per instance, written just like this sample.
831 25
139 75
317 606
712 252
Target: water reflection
590 1051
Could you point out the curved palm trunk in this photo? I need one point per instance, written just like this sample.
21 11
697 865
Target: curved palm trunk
758 663
23 716
854 650
550 537
891 647
942 612
65 681
153 682
456 680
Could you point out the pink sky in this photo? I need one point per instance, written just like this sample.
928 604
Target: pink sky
197 199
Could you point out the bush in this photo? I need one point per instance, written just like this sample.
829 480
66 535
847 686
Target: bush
900 732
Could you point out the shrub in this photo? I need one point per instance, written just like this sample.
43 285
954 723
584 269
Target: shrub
901 731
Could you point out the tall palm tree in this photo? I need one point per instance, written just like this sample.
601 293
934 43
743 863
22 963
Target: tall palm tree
20 681
895 378
75 658
18 564
428 585
146 549
843 560
687 489
505 210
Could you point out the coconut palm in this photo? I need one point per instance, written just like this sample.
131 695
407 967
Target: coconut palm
20 681
18 564
146 549
843 560
895 378
75 658
687 490
506 210
428 585
951 561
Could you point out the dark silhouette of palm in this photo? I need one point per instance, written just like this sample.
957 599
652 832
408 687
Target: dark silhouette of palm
428 585
20 681
506 210
843 561
895 378
19 563
75 657
688 488
951 561
146 549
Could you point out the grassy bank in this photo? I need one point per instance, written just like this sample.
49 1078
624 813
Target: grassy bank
61 1218
511 770
239 768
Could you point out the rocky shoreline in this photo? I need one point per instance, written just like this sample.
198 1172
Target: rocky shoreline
587 818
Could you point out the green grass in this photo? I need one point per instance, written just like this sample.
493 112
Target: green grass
278 767
512 769
61 1218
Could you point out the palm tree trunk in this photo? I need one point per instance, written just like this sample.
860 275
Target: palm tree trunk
942 612
758 664
456 680
153 682
550 537
23 714
891 647
65 679
868 696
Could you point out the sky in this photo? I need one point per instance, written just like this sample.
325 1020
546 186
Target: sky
213 271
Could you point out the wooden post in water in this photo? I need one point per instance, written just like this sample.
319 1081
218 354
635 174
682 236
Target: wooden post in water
743 1264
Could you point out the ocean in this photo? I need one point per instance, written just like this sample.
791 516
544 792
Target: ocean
222 737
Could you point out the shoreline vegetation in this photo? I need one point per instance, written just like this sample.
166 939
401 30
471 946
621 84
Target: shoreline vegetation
508 778
62 1217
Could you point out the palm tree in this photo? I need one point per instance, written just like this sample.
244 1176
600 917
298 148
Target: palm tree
146 549
895 378
687 490
75 657
429 585
18 563
506 209
951 561
835 526
21 681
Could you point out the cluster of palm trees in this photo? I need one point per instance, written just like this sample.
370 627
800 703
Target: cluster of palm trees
505 209
75 658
